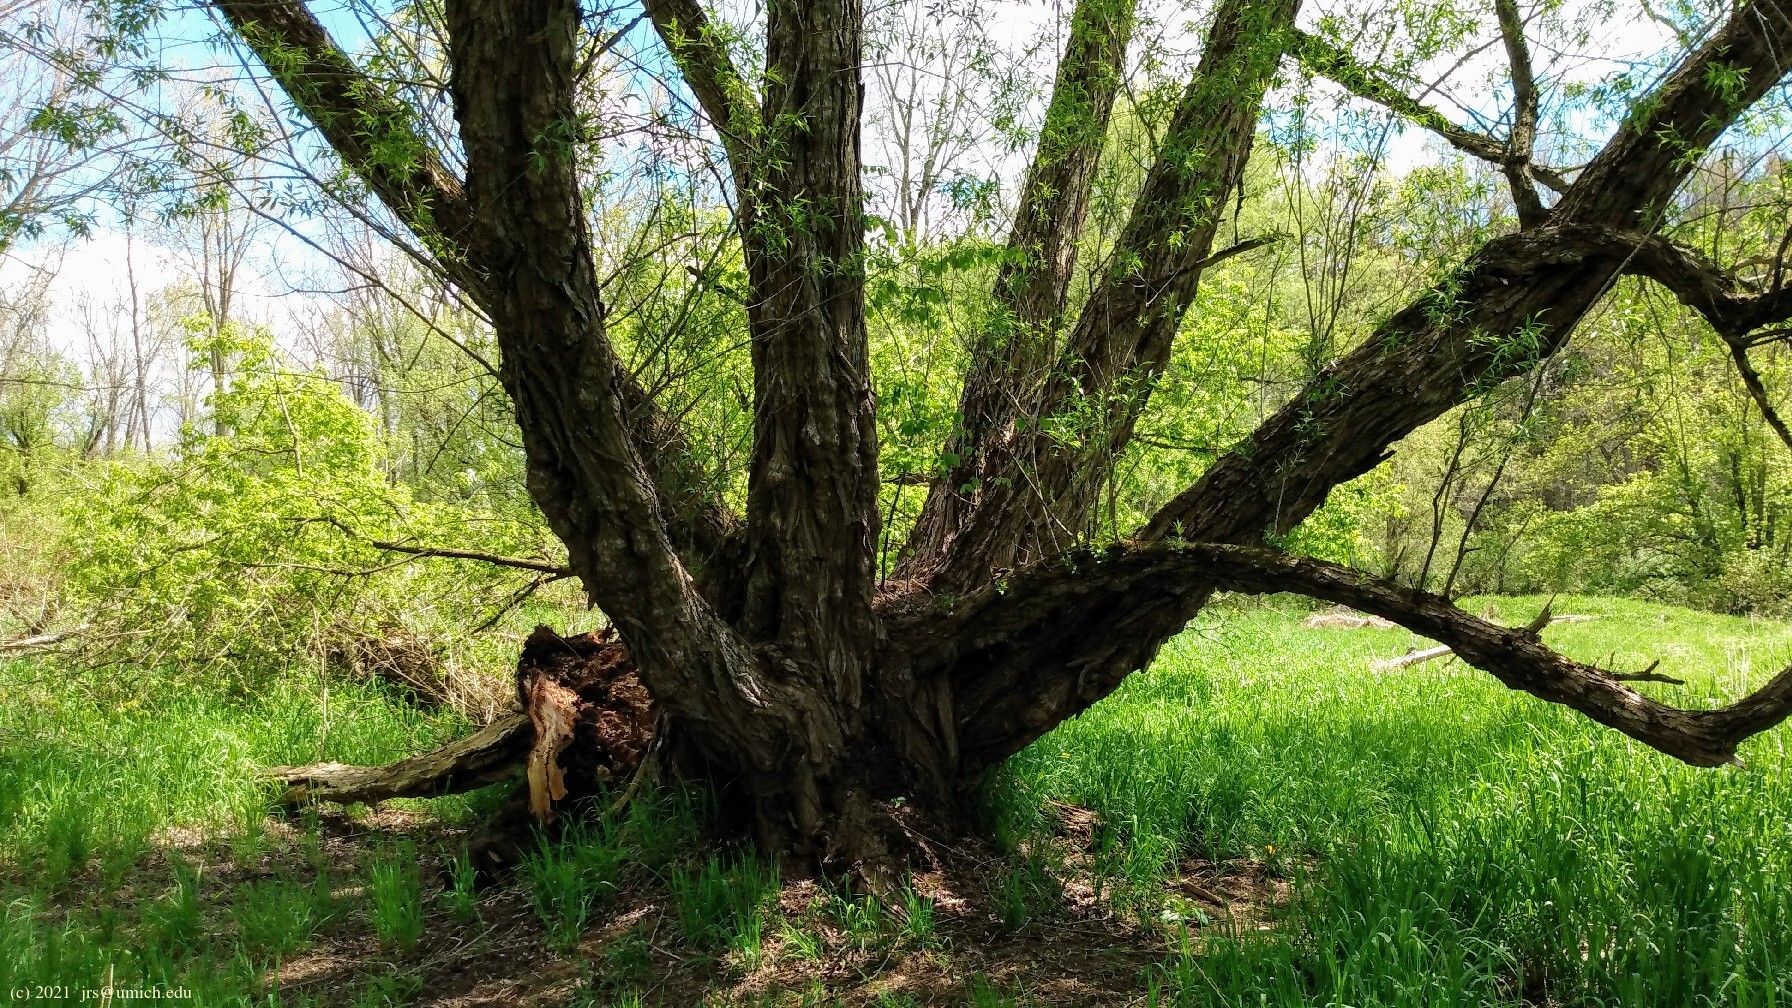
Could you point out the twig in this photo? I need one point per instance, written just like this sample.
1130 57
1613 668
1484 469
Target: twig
42 640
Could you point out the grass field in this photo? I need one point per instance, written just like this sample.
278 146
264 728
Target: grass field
1420 837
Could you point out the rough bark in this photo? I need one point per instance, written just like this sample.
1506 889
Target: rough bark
1041 481
513 74
1141 574
1008 362
375 136
1509 306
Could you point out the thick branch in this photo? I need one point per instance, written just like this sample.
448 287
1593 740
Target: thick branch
1514 656
1508 307
1038 493
1137 577
812 484
1340 67
1732 309
513 77
374 133
1522 139
1012 352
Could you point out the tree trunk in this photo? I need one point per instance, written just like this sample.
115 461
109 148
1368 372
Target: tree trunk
814 700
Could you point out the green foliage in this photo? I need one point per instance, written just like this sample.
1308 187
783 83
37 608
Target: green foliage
248 548
461 895
279 916
1492 839
395 895
723 906
570 876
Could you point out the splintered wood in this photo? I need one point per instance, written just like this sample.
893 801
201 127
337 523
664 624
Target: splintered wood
584 721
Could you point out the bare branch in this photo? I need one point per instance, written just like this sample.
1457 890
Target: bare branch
1340 67
43 640
555 571
489 755
1031 284
1757 390
1522 139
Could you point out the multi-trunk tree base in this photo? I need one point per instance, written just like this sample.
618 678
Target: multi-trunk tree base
810 693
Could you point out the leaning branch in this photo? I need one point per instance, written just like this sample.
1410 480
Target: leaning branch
1757 390
1732 309
1514 655
374 134
360 120
1337 65
553 570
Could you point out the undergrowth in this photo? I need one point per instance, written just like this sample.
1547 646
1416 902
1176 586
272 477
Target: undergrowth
1443 840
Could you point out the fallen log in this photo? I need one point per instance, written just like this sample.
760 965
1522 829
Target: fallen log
490 755
583 723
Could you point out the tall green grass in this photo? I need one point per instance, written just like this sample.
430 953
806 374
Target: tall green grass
97 770
1449 842
1468 845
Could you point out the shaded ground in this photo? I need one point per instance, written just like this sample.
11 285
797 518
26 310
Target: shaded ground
1417 837
1037 927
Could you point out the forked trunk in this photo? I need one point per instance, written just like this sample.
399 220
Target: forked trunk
849 726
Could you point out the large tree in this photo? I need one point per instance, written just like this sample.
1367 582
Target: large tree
781 662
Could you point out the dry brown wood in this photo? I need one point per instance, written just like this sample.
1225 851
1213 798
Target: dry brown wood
43 640
492 754
553 710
